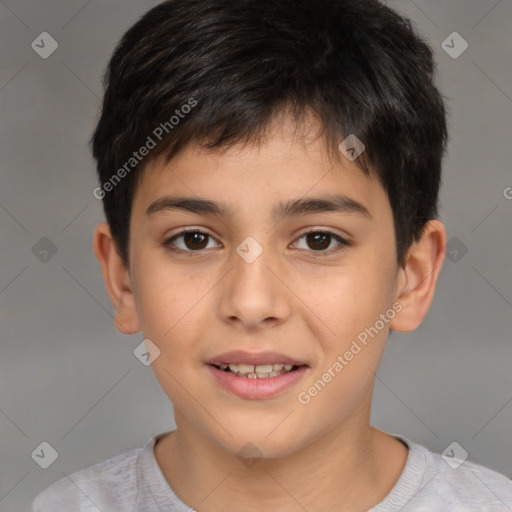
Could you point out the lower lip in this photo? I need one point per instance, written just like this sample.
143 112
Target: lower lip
257 388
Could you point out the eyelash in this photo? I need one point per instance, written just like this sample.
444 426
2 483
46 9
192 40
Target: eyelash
343 243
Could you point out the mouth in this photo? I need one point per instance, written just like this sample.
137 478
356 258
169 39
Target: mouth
256 375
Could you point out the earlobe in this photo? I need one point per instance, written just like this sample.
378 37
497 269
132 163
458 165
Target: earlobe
418 278
117 280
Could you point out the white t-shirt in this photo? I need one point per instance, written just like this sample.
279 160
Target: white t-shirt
133 482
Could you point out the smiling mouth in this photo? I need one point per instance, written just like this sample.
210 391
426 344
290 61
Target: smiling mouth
260 371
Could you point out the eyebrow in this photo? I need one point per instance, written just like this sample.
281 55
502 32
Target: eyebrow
307 205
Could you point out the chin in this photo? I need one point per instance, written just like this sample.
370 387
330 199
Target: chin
257 441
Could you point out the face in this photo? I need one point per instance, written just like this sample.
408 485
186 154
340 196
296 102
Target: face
258 272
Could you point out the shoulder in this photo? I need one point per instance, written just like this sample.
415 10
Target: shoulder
448 483
470 486
94 489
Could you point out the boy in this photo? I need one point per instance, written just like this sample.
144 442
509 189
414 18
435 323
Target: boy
269 172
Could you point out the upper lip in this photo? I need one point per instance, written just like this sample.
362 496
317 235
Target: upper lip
255 358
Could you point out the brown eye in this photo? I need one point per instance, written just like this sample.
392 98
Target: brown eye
195 240
318 241
321 242
189 241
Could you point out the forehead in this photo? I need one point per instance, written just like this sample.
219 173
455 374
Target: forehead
280 169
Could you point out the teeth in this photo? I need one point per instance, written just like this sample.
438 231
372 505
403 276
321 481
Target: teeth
242 368
260 371
263 368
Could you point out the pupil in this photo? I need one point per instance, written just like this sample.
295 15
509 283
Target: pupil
194 238
316 238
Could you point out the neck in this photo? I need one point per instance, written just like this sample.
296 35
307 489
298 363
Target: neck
348 469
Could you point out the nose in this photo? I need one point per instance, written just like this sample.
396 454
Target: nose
254 294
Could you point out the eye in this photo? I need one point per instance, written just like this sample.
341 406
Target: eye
321 242
193 240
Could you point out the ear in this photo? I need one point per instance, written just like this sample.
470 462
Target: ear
117 280
417 279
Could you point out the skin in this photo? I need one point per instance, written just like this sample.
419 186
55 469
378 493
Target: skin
323 455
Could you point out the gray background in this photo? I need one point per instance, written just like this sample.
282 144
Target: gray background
69 378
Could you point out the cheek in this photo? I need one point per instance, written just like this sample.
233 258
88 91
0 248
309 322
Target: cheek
172 308
351 306
167 312
165 299
352 302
